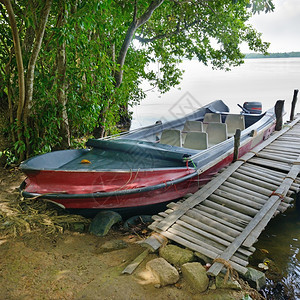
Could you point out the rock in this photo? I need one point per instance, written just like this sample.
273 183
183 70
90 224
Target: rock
163 272
103 221
203 258
79 227
110 246
195 275
212 285
230 284
175 255
256 279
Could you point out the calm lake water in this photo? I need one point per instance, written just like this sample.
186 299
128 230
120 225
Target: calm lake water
265 80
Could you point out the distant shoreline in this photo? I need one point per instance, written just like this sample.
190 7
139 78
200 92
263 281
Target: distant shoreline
273 55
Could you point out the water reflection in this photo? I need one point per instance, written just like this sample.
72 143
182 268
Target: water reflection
279 246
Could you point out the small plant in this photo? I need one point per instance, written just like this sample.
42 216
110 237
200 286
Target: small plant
9 156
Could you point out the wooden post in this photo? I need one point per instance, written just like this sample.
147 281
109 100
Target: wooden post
294 102
237 138
278 113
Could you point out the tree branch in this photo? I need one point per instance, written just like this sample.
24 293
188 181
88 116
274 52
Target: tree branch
135 11
167 34
129 36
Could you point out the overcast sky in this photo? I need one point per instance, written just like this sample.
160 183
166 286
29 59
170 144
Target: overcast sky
282 27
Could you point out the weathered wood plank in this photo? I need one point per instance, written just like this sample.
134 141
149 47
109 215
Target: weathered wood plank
238 199
235 222
210 213
257 231
219 220
274 157
195 239
200 249
244 218
211 226
268 162
270 205
237 206
233 186
264 175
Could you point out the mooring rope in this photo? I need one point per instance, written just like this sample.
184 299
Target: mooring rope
230 271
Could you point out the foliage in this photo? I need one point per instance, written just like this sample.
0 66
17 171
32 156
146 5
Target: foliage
10 158
87 39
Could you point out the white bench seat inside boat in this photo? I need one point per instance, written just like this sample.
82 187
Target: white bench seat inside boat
217 133
234 122
196 140
171 137
212 117
192 126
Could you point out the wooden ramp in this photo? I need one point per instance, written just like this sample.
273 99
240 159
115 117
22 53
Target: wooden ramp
226 216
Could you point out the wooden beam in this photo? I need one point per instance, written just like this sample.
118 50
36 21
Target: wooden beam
272 205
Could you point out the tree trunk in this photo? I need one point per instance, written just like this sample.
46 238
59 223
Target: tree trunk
20 67
4 123
31 66
118 74
62 85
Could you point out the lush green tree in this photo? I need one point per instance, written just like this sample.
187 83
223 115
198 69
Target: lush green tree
80 63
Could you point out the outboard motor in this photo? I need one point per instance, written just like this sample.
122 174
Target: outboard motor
252 107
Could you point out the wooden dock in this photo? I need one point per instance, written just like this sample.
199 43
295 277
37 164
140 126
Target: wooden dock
226 216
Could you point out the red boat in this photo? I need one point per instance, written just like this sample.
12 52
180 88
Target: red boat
141 169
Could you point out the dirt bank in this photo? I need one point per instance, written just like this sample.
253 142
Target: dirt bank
41 264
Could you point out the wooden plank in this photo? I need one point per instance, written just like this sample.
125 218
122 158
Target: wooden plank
133 265
258 183
211 226
200 249
268 162
257 231
198 197
238 199
280 151
237 206
257 173
227 254
194 238
289 139
271 204
219 219
250 186
274 157
195 234
258 197
279 154
243 218
235 222
282 148
271 173
210 236
242 192
253 180
260 175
